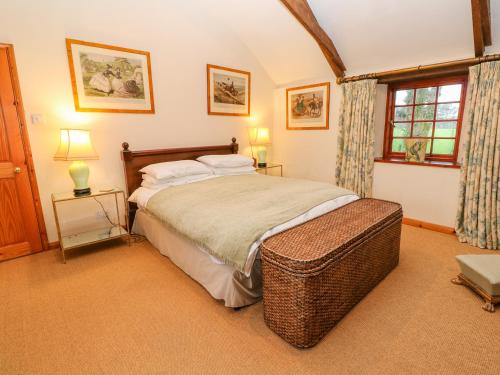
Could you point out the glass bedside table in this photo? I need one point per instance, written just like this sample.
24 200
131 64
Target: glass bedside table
270 166
106 223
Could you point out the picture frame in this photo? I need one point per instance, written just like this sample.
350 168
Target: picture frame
415 149
308 107
107 78
228 91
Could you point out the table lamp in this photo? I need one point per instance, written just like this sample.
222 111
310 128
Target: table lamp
75 146
260 137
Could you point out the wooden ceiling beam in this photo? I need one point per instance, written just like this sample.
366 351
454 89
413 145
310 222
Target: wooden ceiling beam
486 22
481 25
304 14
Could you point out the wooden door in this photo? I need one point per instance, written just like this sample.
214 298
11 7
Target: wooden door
19 224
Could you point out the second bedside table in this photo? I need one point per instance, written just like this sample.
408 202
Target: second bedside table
270 166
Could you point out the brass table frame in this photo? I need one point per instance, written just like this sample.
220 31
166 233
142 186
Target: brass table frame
270 166
70 197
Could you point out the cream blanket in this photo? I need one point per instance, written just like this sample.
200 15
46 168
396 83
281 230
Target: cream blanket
227 214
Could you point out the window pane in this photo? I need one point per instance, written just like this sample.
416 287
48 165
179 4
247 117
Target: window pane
424 112
404 97
398 145
401 129
422 129
443 146
449 93
402 113
447 111
446 129
426 95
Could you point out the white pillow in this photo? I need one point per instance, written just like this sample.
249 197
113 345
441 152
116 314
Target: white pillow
233 171
226 161
152 180
172 169
141 196
151 184
133 196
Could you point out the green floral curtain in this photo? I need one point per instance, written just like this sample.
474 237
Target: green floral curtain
356 138
478 217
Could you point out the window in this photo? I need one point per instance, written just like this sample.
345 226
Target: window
429 109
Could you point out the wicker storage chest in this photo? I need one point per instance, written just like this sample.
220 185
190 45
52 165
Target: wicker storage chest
313 274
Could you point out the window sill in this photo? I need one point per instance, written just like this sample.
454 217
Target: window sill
427 163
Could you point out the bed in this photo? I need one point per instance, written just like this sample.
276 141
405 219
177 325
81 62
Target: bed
235 286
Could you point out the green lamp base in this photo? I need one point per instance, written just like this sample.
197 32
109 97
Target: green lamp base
261 157
79 172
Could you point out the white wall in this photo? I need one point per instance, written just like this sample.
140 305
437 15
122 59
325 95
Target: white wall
426 193
306 154
181 39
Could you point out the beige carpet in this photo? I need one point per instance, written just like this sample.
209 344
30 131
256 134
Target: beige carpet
124 310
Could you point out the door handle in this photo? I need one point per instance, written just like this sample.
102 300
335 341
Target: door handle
17 170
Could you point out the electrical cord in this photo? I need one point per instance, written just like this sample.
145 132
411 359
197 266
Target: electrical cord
104 211
133 236
106 216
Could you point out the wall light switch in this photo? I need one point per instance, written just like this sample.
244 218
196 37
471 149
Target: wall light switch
37 119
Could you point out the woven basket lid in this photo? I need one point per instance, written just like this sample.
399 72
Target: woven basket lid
315 242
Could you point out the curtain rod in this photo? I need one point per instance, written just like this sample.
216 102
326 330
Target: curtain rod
448 67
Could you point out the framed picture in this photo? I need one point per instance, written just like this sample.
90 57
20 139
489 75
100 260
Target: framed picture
228 91
110 79
415 149
308 107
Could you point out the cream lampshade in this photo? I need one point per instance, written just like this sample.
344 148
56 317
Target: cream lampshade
75 145
260 137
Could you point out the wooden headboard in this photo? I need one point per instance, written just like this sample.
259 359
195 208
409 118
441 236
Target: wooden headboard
133 161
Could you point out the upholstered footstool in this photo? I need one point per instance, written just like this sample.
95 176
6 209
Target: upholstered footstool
481 273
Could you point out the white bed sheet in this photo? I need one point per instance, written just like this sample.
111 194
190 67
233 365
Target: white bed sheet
142 195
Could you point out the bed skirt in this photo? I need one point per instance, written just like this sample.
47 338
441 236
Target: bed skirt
223 282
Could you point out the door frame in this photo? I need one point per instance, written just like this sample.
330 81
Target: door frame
26 144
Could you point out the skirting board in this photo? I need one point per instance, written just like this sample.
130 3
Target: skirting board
53 245
430 226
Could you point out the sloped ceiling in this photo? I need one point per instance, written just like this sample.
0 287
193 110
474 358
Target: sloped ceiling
369 35
387 34
279 42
